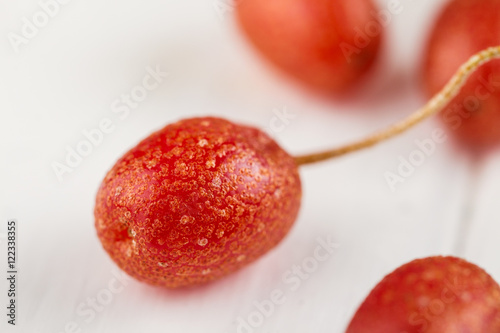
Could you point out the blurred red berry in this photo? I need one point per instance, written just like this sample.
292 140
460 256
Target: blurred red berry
432 295
327 45
464 28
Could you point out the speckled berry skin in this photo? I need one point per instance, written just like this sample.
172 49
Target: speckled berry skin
464 28
325 45
195 201
432 295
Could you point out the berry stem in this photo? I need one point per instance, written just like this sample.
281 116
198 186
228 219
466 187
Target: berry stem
433 106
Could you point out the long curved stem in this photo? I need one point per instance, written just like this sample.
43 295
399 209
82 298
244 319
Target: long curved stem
435 105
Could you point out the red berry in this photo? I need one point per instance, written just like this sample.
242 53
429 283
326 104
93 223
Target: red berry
432 295
464 28
327 45
195 201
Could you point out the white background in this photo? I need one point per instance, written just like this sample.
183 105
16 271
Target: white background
91 52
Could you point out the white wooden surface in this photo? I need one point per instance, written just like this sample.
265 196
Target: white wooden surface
65 80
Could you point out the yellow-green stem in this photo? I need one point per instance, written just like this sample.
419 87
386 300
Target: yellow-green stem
434 106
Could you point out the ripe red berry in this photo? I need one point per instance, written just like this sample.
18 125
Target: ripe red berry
195 201
432 295
326 45
464 28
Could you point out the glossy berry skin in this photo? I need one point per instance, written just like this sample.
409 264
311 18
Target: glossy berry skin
327 45
195 201
432 295
464 28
